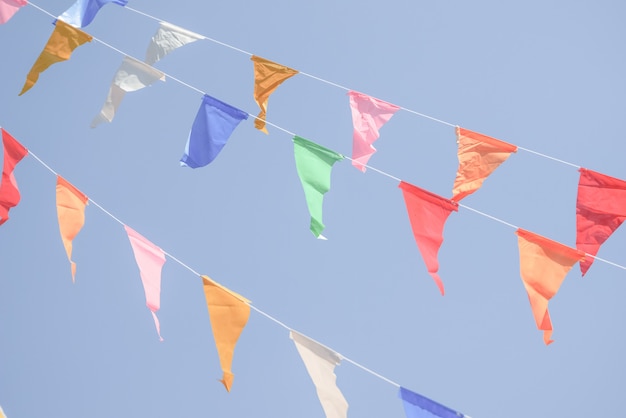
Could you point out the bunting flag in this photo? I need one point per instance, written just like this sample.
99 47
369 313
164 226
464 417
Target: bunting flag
9 193
63 41
543 266
600 210
8 8
479 155
214 123
418 406
428 213
314 164
320 363
2 413
167 38
268 76
82 13
132 75
150 260
71 204
368 116
229 313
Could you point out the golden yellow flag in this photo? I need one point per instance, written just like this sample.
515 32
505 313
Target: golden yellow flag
71 204
63 41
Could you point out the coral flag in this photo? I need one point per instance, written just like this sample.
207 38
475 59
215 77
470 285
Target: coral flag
600 210
314 164
8 8
132 75
82 13
71 204
9 193
229 313
268 76
150 260
167 38
320 363
368 116
418 406
479 155
428 213
214 123
63 41
543 266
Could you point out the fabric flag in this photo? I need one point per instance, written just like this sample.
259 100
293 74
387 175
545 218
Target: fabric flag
600 210
479 155
418 406
214 123
167 38
9 193
268 76
320 363
63 41
368 116
2 413
132 75
428 213
314 164
543 266
8 8
229 313
82 13
150 260
71 204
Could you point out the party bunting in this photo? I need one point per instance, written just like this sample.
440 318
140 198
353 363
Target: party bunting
600 210
368 116
320 363
9 7
132 75
418 406
82 13
9 193
428 213
229 313
214 123
2 413
543 266
268 76
71 204
63 41
314 164
479 155
167 38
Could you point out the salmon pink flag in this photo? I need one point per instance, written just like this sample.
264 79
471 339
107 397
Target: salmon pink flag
150 260
368 116
600 210
428 213
9 7
71 204
479 155
543 266
9 193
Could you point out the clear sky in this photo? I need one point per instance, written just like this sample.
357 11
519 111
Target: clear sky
546 76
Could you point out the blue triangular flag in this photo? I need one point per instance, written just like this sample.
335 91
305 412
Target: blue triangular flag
81 13
418 406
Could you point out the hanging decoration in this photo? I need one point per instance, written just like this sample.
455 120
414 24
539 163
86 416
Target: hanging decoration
9 7
167 38
71 204
82 13
418 406
9 193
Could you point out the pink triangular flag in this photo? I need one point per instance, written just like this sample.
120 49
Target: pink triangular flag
9 7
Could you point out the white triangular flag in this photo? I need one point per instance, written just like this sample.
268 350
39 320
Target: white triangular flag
167 38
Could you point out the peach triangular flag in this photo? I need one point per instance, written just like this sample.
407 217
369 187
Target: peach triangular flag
71 204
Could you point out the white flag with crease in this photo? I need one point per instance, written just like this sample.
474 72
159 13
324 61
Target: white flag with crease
167 38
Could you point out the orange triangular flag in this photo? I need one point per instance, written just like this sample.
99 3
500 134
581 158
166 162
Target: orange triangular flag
543 266
268 76
71 204
229 313
479 155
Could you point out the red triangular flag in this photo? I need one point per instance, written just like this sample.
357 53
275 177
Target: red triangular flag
9 193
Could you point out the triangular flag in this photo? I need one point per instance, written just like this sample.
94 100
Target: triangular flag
418 406
82 13
63 41
314 164
9 7
368 116
268 76
71 204
2 413
229 313
9 193
150 260
167 38
428 213
600 210
320 363
132 75
479 155
543 266
214 123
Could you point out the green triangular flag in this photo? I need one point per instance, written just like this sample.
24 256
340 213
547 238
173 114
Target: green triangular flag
314 164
